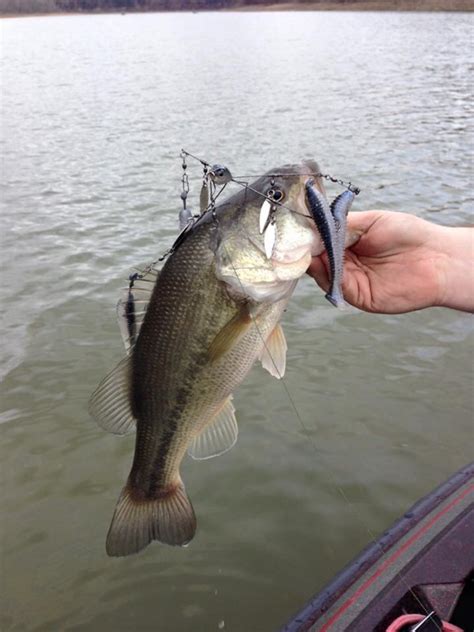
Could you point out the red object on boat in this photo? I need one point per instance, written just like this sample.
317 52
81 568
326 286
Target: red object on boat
406 619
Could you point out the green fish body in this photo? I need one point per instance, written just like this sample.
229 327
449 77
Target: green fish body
214 309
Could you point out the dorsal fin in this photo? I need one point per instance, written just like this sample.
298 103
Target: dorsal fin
132 305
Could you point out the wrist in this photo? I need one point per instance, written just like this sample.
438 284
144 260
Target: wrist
455 267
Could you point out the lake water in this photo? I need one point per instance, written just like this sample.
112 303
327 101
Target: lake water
94 112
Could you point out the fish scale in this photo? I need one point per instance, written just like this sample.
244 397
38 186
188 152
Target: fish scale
174 309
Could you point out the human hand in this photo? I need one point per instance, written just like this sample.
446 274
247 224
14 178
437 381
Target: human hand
400 263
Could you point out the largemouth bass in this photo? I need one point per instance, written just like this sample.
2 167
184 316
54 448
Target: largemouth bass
213 310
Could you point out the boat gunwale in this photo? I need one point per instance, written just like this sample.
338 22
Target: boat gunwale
350 574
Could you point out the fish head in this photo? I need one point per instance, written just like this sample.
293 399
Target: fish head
262 260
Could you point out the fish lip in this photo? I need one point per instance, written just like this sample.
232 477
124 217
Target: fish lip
293 269
288 257
262 290
257 284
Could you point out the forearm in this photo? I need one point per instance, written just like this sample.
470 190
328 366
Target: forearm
456 267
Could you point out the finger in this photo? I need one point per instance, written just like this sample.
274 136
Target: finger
319 270
362 221
352 237
365 230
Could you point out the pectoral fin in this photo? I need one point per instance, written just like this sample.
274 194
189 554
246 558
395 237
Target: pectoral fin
230 334
218 437
273 355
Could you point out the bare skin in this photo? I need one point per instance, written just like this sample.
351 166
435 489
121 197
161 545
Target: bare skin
401 263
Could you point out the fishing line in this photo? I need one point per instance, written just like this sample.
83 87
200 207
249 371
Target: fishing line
279 204
339 489
307 433
221 190
326 176
203 162
348 185
315 174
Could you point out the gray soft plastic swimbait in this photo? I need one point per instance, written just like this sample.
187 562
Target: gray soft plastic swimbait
340 207
332 231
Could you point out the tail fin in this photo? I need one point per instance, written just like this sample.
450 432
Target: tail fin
136 523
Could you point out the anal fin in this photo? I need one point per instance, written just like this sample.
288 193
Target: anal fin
217 437
273 355
109 404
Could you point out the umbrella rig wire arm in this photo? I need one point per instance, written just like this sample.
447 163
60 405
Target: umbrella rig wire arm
215 179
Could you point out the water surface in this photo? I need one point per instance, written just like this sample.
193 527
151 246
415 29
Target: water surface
94 112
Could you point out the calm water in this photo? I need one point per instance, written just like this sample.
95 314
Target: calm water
95 110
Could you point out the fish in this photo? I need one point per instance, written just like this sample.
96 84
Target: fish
331 224
199 325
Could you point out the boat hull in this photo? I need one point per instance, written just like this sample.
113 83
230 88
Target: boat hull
422 563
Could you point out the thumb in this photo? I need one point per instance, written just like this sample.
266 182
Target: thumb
362 221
